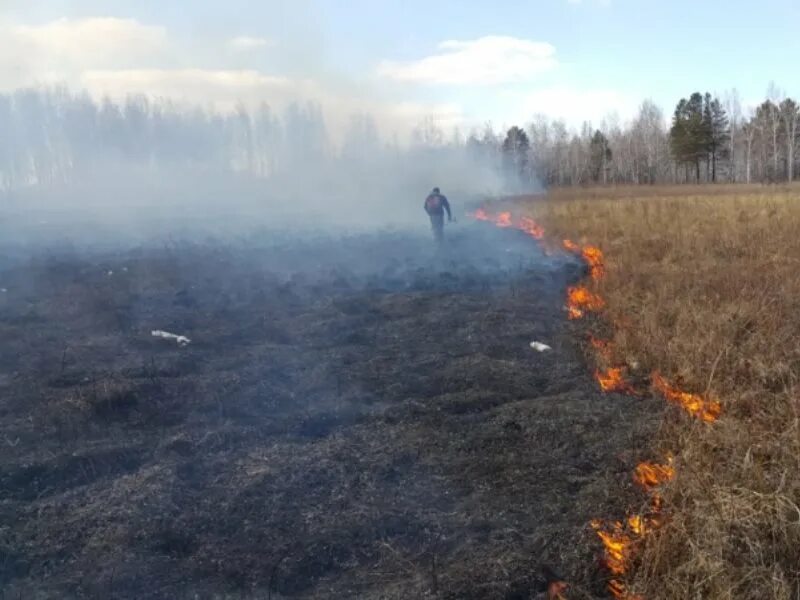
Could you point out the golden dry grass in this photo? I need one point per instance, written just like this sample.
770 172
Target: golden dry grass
703 284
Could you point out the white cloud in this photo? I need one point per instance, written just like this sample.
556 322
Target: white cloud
117 57
57 50
576 105
245 42
485 61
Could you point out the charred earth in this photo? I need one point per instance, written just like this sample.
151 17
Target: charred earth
357 417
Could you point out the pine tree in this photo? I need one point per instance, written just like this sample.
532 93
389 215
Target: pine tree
601 156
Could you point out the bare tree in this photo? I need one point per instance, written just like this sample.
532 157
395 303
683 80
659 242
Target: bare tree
790 116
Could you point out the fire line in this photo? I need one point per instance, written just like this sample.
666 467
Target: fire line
620 540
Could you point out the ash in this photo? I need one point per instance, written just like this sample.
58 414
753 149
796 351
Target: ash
356 417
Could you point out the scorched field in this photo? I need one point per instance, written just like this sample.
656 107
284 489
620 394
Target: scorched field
356 417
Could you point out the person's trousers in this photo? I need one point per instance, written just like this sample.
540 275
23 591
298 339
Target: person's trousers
437 224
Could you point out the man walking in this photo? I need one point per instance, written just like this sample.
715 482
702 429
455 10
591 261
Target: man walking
435 205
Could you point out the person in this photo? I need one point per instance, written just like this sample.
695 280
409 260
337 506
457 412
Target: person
435 205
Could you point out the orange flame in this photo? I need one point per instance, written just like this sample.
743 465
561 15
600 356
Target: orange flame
594 258
613 380
705 409
650 475
531 227
505 220
620 591
616 545
481 215
572 246
580 300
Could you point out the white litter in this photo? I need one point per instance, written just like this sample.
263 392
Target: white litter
540 347
182 340
3 290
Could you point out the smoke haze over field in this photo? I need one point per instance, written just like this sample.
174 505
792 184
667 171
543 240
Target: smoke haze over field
148 168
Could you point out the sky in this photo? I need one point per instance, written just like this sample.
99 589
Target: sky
462 62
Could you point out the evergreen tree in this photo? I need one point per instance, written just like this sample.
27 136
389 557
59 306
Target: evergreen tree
601 156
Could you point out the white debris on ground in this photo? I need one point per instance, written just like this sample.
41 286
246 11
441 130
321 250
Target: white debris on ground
182 340
540 347
3 290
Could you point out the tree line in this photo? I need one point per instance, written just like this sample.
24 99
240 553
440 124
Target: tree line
49 136
708 139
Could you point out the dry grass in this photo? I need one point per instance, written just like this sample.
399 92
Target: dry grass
703 284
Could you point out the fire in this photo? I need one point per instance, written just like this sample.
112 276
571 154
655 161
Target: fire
620 591
650 475
531 227
503 220
705 409
637 525
617 546
594 258
613 380
580 300
620 539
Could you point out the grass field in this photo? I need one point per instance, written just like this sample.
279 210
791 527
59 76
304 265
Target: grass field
702 285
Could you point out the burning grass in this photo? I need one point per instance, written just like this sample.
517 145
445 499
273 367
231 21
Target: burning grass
701 287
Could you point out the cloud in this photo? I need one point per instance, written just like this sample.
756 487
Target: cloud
57 50
488 60
575 105
244 43
119 57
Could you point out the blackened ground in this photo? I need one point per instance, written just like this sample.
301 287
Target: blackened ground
354 418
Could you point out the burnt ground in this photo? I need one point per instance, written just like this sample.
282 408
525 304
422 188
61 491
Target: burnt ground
354 418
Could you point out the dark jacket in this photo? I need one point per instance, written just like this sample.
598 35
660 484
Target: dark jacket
436 204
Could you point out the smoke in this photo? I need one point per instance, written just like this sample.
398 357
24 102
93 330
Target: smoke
76 169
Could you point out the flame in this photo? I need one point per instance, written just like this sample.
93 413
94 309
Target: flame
705 409
572 246
650 475
580 300
636 523
613 380
594 258
480 215
505 220
531 227
620 590
616 545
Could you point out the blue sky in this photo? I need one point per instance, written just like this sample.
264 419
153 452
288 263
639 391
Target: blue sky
465 62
